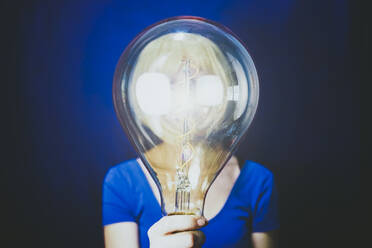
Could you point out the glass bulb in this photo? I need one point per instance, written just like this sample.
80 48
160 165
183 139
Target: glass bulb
185 91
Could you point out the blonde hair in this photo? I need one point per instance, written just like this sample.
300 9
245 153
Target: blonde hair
166 52
165 55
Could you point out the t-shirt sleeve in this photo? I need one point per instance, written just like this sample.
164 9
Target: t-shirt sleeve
266 213
115 207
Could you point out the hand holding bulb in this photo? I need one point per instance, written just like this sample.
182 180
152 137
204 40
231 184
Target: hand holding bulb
177 231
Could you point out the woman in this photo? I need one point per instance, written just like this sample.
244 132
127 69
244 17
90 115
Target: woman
240 207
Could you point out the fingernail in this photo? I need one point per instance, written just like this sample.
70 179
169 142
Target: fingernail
201 221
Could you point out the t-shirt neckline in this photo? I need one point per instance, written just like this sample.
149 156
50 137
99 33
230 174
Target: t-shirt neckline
228 200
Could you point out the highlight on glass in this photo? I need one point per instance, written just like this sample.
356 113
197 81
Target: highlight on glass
185 91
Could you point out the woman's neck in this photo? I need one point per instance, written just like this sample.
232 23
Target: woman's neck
218 192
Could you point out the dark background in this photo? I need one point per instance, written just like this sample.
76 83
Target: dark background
61 134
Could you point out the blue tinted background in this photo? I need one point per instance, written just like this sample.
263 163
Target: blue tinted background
64 135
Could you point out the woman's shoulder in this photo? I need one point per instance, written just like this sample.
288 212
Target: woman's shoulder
256 180
127 171
256 174
256 168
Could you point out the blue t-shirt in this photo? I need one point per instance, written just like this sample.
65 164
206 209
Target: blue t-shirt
250 207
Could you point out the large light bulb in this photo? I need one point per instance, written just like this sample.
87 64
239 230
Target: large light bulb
185 91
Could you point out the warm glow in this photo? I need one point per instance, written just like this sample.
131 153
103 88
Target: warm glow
153 93
209 90
185 91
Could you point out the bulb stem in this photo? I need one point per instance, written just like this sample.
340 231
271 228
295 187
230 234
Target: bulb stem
182 197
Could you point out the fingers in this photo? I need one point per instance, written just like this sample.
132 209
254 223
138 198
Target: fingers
177 223
199 238
177 231
186 239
